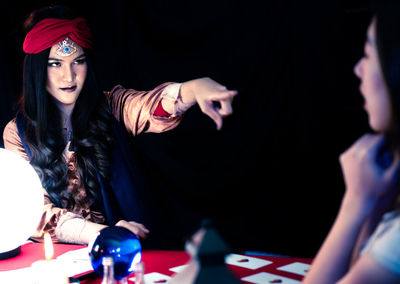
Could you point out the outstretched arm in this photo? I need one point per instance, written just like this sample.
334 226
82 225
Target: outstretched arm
140 110
214 99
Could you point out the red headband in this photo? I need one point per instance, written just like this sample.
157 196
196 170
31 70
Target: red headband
49 32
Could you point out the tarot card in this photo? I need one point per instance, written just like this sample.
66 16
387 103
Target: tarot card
178 269
246 261
296 267
266 278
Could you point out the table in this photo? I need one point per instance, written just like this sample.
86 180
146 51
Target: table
162 261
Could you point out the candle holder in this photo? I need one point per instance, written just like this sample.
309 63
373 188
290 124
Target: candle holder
48 271
120 244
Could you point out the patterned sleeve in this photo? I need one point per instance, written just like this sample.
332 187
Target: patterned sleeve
53 218
136 108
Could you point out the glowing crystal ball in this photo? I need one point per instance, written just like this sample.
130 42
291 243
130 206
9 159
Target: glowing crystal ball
21 202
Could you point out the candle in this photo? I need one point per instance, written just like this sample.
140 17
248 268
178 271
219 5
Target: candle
48 271
48 247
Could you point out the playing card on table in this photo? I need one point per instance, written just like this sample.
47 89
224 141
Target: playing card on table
153 278
246 261
266 278
178 269
296 267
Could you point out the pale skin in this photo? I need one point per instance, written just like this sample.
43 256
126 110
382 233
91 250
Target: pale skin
65 78
370 190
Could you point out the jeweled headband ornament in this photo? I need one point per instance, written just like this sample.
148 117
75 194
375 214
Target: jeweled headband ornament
66 47
49 32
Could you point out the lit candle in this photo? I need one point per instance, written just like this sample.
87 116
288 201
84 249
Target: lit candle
48 271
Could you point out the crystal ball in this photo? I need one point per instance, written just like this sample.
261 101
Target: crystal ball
19 184
120 244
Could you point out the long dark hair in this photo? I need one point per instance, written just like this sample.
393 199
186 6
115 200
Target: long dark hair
387 34
90 120
387 37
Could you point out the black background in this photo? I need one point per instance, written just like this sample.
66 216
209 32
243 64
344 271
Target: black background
270 179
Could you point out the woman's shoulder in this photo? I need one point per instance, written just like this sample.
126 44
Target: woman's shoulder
10 130
113 90
160 87
383 244
388 226
12 140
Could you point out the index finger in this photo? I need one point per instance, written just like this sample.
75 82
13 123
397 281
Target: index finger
224 95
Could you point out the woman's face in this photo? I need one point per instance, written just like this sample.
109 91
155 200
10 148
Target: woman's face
372 87
66 75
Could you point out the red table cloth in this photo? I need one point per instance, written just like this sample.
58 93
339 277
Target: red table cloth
155 261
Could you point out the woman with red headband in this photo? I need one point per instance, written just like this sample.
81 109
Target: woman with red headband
75 136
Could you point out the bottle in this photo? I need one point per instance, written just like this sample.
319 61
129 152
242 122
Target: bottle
139 273
108 270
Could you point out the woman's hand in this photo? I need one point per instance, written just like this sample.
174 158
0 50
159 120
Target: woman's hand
367 185
213 99
138 229
365 180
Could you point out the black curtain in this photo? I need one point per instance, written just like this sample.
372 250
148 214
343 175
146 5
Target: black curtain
270 179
